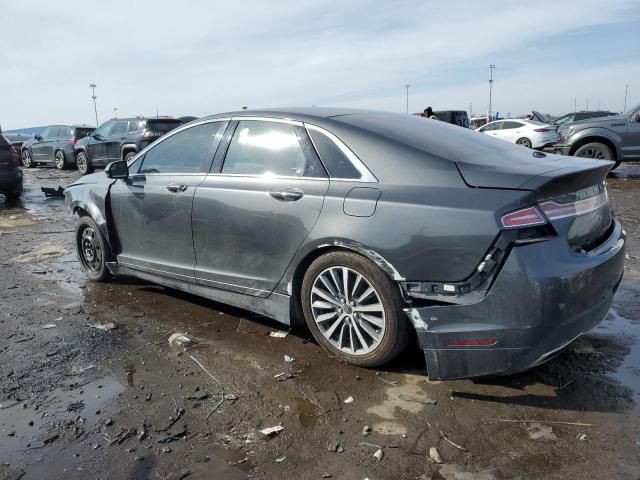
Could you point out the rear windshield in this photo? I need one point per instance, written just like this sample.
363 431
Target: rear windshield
83 132
163 126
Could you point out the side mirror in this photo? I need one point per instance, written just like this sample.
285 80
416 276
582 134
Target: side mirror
637 119
38 137
97 136
117 169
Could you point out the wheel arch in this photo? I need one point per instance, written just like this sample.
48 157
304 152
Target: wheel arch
126 148
598 139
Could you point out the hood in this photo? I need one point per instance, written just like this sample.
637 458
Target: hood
91 179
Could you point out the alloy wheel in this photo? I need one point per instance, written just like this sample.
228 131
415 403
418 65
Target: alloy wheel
90 251
595 152
525 142
81 163
59 160
26 158
348 310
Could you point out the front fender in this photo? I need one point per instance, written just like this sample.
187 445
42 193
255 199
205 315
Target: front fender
598 132
90 198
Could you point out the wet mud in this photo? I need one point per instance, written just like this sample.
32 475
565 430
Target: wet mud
91 388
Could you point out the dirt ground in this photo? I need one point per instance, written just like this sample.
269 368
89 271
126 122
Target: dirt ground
91 389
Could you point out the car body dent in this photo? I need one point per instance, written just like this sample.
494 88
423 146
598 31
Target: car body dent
91 194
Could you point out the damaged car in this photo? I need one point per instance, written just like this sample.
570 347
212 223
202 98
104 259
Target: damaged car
370 227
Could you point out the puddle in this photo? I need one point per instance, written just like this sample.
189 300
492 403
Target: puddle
628 373
35 436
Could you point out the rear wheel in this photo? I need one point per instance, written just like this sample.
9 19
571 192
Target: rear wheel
597 151
27 159
84 165
353 309
59 160
93 250
525 142
14 194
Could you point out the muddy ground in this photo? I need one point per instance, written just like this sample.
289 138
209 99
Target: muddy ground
80 399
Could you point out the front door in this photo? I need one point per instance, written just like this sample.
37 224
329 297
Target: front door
152 208
96 146
42 149
113 142
251 216
631 140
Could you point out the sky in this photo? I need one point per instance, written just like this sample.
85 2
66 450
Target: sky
201 57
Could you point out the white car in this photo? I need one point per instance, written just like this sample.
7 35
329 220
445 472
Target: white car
527 133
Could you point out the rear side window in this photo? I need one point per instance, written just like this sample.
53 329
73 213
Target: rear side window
268 148
188 151
133 126
334 159
510 125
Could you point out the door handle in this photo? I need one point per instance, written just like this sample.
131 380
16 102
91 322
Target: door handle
287 194
177 188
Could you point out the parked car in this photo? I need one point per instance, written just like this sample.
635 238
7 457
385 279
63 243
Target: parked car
527 133
17 139
615 138
495 256
10 173
55 145
578 116
455 117
120 139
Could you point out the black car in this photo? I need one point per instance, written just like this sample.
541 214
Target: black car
55 145
120 139
17 140
577 116
10 173
455 117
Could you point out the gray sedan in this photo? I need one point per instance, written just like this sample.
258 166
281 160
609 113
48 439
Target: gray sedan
370 227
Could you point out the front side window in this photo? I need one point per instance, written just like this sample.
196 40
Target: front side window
335 160
104 129
270 149
120 127
65 133
46 132
188 151
491 126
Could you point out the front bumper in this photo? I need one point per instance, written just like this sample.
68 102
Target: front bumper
545 296
562 149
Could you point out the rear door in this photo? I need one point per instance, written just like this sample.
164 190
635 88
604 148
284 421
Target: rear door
152 208
113 142
512 130
252 213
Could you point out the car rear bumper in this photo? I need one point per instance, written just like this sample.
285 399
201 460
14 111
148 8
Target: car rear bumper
11 180
545 296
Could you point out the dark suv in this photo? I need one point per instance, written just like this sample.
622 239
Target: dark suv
54 145
10 173
120 139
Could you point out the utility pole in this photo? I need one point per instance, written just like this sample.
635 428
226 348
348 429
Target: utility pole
587 104
115 110
491 67
407 88
626 91
470 110
93 86
575 104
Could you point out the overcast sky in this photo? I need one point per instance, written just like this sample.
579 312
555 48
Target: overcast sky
203 57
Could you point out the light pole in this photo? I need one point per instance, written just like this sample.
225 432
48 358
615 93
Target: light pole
626 91
575 104
115 110
93 86
470 110
407 88
491 67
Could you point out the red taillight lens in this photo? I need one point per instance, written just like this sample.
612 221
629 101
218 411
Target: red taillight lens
526 217
542 130
556 211
73 140
151 134
15 158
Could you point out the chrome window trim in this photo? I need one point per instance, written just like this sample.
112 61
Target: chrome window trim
269 119
365 174
265 177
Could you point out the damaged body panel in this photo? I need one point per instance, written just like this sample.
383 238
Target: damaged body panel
498 256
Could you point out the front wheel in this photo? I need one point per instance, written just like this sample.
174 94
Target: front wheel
93 250
27 159
353 309
83 163
59 160
525 142
597 151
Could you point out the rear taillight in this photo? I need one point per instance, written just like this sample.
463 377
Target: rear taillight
151 134
556 211
15 158
543 130
73 140
527 217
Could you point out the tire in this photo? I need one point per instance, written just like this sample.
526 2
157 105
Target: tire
14 194
597 151
369 344
129 155
59 160
84 164
525 142
93 250
27 159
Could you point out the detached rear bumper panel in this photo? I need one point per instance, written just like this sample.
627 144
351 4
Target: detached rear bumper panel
545 296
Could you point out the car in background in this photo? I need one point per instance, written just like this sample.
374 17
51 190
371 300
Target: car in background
10 173
492 256
579 116
54 146
454 117
17 139
120 139
527 133
615 138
